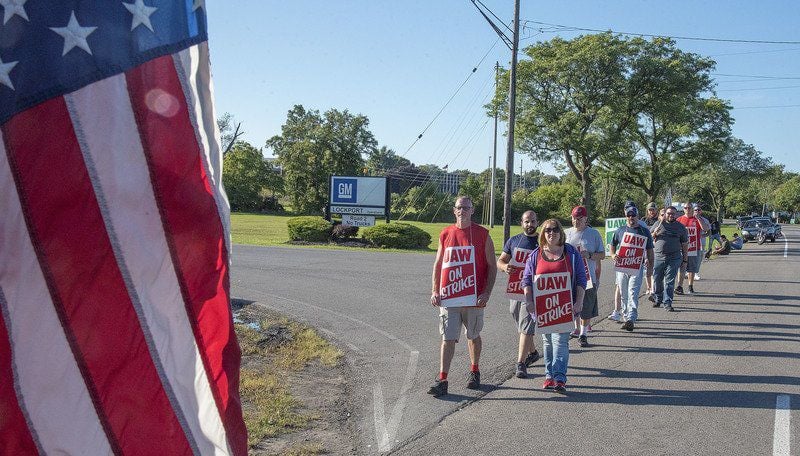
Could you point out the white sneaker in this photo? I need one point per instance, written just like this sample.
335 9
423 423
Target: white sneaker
697 277
615 316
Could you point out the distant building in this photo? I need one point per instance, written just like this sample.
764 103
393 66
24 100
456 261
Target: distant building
450 183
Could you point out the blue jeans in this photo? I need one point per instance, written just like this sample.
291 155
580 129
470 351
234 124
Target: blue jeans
556 355
629 286
664 272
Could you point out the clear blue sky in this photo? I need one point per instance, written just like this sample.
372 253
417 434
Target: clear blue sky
399 61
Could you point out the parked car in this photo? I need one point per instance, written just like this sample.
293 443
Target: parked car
741 220
751 228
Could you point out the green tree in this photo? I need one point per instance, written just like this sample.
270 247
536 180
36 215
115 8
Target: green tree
678 129
383 160
554 201
787 196
312 147
229 130
739 163
245 176
572 102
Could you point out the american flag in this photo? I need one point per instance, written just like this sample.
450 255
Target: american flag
116 334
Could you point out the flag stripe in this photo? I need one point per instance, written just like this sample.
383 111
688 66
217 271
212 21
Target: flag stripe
111 146
198 249
17 438
86 285
50 386
195 74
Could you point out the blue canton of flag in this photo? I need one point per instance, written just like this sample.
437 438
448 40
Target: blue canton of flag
52 47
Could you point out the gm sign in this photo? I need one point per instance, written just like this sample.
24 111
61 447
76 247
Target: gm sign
345 190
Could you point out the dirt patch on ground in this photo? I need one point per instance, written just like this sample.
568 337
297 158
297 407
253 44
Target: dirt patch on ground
321 390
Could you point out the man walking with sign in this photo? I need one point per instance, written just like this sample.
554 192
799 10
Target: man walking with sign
463 276
589 243
630 246
512 261
670 246
694 228
554 282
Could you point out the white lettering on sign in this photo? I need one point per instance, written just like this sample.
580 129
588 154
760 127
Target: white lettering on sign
345 190
456 256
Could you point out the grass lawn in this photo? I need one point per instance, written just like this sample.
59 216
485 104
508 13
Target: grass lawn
264 229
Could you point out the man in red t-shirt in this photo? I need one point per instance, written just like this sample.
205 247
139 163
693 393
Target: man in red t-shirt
692 264
463 276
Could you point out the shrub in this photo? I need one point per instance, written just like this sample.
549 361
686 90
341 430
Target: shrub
397 236
344 231
309 228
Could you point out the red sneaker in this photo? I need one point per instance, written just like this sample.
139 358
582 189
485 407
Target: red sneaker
560 387
549 384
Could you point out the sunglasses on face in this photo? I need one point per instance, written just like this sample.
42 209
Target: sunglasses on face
552 230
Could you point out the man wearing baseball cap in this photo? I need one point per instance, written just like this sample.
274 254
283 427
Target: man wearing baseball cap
631 245
590 245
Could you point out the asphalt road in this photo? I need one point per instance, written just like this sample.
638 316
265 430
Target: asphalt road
706 379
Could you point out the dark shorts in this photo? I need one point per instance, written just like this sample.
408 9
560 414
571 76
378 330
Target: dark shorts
693 263
590 309
525 324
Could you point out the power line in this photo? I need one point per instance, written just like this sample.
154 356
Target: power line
450 99
759 88
650 35
776 78
767 107
766 51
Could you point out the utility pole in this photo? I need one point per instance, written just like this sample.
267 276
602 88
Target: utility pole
512 106
494 153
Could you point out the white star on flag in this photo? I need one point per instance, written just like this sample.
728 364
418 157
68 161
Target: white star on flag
141 14
12 7
74 35
5 69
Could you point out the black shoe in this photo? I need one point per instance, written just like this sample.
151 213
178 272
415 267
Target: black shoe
669 309
691 289
560 387
628 326
439 388
532 358
651 298
474 381
583 341
656 304
522 371
679 290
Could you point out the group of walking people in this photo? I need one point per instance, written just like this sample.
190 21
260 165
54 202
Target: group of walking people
553 276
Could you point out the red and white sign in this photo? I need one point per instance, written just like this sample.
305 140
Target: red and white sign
630 255
694 240
518 259
552 295
458 284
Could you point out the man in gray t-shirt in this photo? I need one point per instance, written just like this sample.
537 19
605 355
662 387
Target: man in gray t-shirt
671 242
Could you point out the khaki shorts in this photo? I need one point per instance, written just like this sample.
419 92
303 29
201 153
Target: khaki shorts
451 319
525 324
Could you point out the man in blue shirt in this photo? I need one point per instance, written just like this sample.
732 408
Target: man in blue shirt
515 249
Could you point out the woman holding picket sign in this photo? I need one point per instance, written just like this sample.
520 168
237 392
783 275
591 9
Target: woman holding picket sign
554 281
